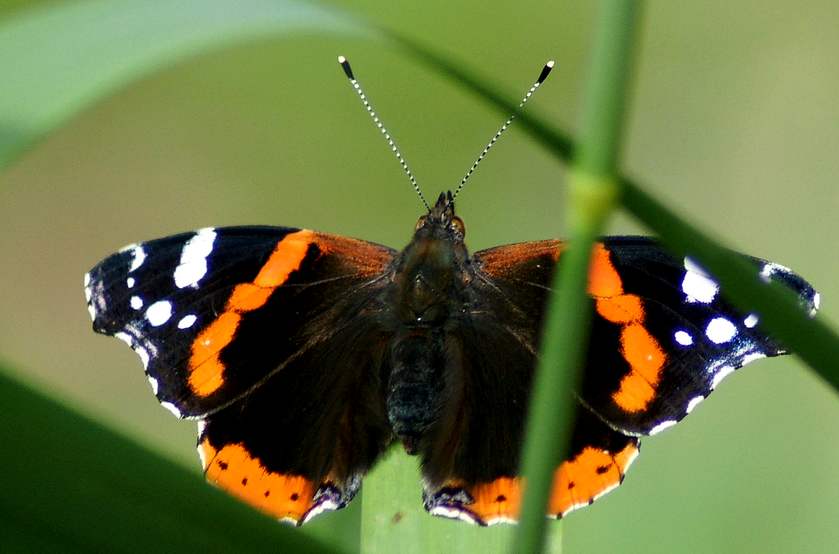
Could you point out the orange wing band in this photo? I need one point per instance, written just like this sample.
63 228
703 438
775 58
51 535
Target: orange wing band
206 370
639 348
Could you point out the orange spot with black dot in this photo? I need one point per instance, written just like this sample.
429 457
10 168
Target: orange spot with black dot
498 501
590 474
577 483
206 370
233 469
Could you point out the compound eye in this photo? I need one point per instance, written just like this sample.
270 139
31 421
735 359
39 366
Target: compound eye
458 225
420 222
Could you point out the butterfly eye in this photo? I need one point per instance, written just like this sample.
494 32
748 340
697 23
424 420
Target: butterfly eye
421 222
458 225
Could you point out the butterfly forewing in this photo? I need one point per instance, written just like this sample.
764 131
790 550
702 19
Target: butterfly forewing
214 313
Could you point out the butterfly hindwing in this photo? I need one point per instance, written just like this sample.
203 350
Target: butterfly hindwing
301 443
596 464
214 313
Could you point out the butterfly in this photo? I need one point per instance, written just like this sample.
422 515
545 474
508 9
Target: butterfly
305 356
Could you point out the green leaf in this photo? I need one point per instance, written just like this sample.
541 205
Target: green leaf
72 485
62 57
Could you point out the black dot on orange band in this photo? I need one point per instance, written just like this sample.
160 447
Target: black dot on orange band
571 485
294 496
602 469
244 480
500 498
222 465
267 494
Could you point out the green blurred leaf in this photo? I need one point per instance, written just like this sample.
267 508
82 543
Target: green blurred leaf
60 58
71 485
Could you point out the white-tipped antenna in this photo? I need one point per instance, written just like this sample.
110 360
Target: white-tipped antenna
395 149
542 76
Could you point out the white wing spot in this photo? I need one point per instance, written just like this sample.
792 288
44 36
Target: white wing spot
693 403
138 256
753 356
88 293
187 321
171 407
817 300
153 383
771 268
193 264
721 374
136 302
144 355
720 330
125 337
130 282
159 313
683 337
92 311
697 285
662 426
750 321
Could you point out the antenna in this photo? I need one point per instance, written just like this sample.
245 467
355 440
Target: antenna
542 76
395 149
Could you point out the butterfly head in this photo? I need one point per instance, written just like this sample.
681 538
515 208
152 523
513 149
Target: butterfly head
440 222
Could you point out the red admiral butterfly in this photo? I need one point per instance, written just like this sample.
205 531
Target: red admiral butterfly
304 356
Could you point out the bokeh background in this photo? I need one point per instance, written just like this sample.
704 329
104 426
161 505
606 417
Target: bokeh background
734 123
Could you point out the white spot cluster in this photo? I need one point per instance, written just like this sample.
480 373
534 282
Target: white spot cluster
193 264
159 313
720 330
697 285
130 282
750 321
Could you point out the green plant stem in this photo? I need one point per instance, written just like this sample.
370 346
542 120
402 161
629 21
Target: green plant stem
565 334
71 485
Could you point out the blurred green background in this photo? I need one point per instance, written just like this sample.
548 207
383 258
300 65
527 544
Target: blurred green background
734 122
